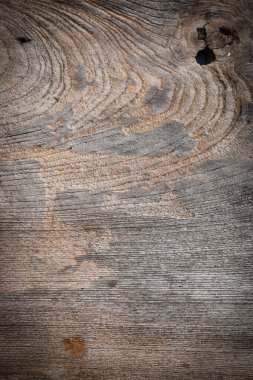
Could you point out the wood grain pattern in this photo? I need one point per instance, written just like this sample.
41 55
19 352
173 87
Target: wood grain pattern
126 190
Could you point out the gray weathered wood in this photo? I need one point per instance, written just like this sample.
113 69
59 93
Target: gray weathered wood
126 190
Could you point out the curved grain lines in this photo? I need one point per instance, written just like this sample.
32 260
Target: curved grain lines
118 103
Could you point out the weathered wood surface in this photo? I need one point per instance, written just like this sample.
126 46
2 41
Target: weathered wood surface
126 190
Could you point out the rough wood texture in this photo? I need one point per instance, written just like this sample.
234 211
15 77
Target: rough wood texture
126 190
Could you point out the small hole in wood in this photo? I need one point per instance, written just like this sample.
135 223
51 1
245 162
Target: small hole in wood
205 56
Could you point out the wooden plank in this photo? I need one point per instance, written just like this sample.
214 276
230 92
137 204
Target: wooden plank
126 190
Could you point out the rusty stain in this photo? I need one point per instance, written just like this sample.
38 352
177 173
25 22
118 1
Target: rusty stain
75 347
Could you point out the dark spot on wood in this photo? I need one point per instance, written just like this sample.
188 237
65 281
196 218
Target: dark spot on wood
112 283
225 31
205 56
201 33
23 39
230 33
156 97
75 347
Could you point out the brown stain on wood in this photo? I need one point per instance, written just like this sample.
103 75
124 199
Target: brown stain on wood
75 347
